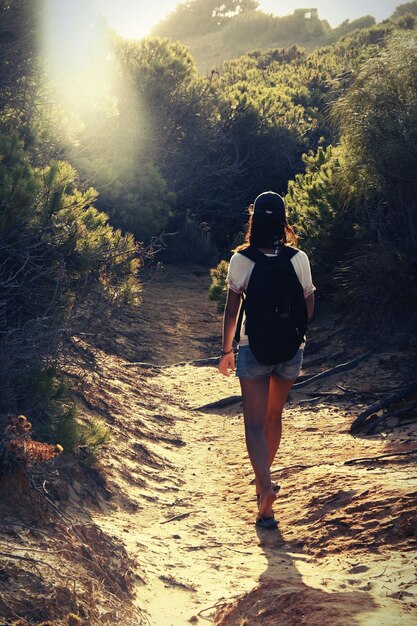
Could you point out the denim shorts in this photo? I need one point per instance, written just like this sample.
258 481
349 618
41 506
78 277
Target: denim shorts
248 366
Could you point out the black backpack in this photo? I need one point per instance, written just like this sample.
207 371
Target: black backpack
276 312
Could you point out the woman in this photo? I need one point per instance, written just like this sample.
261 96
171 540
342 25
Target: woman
265 388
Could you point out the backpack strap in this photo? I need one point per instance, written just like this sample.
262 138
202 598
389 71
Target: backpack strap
252 253
255 255
240 319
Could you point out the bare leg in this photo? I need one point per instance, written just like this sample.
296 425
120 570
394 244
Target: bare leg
278 394
255 394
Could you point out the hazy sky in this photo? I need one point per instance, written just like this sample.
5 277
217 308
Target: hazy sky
135 18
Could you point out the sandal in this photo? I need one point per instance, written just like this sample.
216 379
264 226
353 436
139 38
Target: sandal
266 522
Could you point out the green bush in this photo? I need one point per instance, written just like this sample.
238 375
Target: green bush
133 194
83 439
316 208
56 418
377 120
60 264
218 289
375 286
192 244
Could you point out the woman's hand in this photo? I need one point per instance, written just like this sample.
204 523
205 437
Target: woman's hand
227 364
227 358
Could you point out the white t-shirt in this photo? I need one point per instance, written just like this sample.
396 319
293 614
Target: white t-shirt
240 270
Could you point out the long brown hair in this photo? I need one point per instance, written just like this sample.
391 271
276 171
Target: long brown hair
267 231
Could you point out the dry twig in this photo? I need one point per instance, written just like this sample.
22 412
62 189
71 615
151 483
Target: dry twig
388 455
334 370
176 517
402 394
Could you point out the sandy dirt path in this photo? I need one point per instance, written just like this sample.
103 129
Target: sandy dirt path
184 506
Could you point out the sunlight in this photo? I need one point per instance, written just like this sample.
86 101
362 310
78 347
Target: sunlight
78 61
70 37
134 18
85 85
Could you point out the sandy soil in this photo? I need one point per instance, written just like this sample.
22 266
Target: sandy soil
173 520
184 504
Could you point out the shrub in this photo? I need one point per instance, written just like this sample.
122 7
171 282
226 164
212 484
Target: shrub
60 265
82 439
316 208
135 196
375 285
57 418
192 244
377 120
218 289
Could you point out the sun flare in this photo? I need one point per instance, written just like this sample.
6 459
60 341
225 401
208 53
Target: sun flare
77 57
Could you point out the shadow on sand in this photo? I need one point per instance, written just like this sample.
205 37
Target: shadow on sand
282 598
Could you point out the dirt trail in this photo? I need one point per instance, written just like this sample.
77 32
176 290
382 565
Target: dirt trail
184 507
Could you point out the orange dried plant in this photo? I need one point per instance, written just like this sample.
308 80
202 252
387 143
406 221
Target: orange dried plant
20 448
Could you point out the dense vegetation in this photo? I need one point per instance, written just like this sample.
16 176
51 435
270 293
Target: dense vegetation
171 151
62 266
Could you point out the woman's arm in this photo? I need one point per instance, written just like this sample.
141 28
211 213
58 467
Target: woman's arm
310 306
227 361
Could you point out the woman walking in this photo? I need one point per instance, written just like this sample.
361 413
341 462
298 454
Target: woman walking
273 324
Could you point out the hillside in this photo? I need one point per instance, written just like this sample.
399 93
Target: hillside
212 41
163 532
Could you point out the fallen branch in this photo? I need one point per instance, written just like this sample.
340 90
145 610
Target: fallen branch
380 420
318 361
213 360
347 390
230 400
403 393
28 559
348 462
238 551
334 370
170 580
324 394
219 603
378 458
146 366
310 400
402 412
176 517
219 404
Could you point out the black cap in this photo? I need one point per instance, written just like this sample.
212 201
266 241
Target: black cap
270 203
